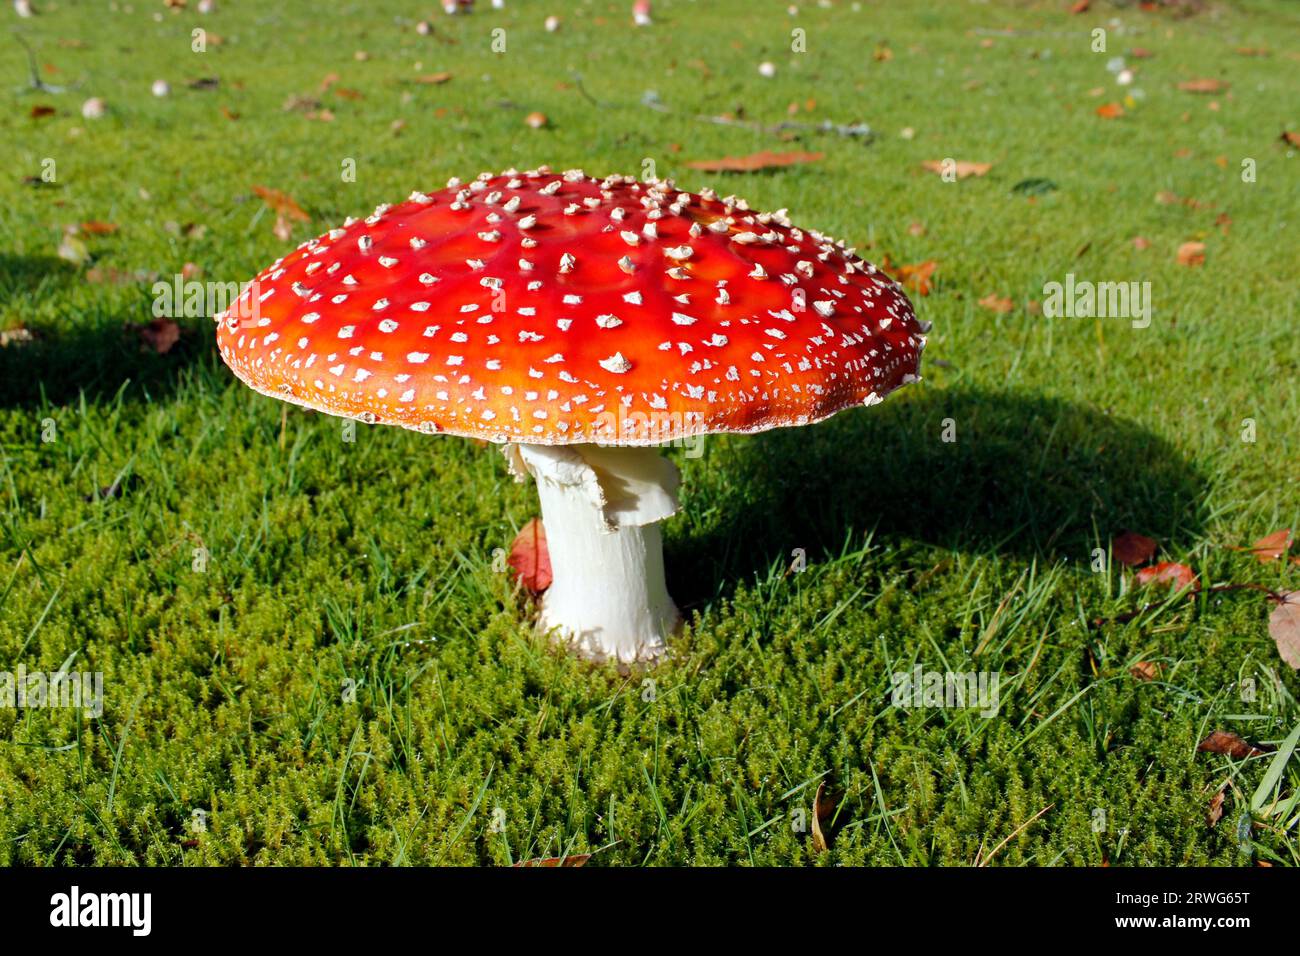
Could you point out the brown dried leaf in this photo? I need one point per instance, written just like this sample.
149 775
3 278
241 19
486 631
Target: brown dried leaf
1215 813
159 335
281 204
1230 744
96 228
1203 85
1191 254
40 111
1291 138
1132 548
1284 628
961 167
433 79
994 303
529 557
823 811
754 162
1145 670
1272 546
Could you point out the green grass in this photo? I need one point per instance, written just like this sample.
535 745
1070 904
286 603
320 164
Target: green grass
372 562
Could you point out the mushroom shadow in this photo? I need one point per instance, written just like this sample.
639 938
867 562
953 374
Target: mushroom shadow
95 357
1018 474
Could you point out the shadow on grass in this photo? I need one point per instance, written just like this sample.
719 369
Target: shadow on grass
1025 475
95 357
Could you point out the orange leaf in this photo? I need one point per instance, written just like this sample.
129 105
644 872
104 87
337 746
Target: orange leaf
960 167
1080 6
1202 86
995 304
529 558
1141 242
1291 138
754 162
1145 670
1272 546
1191 254
917 277
1132 548
97 228
1226 742
433 79
281 204
1110 110
1166 572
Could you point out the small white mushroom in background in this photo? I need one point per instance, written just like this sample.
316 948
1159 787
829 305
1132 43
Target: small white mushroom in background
498 4
767 69
93 108
22 8
641 13
423 28
552 24
206 6
160 88
1124 77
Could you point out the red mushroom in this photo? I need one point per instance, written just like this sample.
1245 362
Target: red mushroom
579 322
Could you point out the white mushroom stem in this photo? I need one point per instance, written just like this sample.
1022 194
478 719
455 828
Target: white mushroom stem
601 508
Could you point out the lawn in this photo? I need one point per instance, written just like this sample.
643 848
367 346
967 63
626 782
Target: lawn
310 651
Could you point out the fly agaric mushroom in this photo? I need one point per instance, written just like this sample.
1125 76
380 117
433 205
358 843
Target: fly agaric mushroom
578 322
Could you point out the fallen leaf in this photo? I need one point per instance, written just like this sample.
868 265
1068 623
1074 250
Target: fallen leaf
281 203
345 93
1252 51
1140 53
1215 813
229 114
1110 110
916 228
40 111
1145 670
917 277
1191 254
1272 546
883 54
1228 743
823 812
1167 572
995 304
961 168
754 162
577 859
1140 243
96 228
1080 6
536 120
433 79
1206 85
1284 628
529 558
330 80
1132 548
159 335
1291 138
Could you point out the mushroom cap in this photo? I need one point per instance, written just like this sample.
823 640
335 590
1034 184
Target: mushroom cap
551 308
